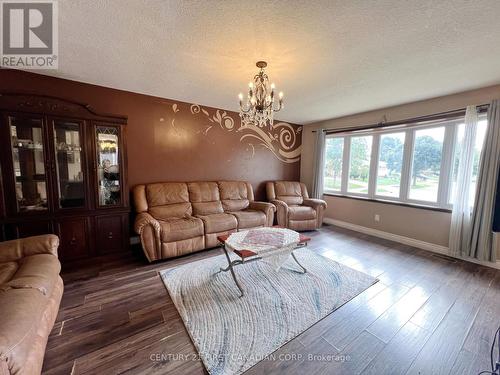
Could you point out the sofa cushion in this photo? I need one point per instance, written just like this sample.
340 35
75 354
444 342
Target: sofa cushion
176 229
27 319
250 218
217 223
169 199
30 293
39 272
205 198
235 195
14 250
178 210
166 193
301 213
21 311
289 192
7 270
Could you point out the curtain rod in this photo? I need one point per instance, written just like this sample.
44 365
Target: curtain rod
386 124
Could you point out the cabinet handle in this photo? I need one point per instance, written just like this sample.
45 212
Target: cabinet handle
110 235
73 241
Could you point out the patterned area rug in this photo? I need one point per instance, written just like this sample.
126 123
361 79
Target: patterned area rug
232 333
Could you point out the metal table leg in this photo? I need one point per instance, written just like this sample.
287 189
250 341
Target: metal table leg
230 267
232 264
296 261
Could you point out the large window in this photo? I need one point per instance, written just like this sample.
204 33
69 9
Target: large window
414 164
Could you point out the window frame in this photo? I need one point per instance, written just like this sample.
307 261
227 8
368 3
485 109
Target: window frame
349 166
445 171
386 197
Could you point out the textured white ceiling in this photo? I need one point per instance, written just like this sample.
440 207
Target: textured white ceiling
331 58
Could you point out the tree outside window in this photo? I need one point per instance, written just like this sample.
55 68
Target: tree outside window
426 165
333 163
359 166
390 164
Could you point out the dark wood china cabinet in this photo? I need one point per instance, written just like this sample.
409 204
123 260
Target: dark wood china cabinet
63 171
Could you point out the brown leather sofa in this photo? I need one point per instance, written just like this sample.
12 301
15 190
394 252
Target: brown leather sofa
176 218
30 293
294 208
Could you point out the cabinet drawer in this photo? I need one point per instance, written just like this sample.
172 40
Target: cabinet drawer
111 233
74 235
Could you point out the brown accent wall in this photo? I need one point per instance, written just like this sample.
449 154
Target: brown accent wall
420 224
175 141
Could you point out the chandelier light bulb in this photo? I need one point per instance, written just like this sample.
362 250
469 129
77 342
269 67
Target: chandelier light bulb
281 95
273 86
240 96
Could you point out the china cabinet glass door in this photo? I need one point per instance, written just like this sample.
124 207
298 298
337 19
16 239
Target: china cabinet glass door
28 155
108 165
69 159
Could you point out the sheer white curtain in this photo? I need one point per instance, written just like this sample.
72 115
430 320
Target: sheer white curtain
481 238
462 205
319 165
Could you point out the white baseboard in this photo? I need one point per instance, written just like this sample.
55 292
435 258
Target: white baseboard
439 249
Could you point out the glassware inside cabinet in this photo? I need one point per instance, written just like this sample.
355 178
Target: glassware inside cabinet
108 168
29 163
69 164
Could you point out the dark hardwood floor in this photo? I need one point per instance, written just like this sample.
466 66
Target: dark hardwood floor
428 315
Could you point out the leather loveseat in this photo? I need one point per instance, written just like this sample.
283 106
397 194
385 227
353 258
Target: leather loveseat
176 218
294 208
30 294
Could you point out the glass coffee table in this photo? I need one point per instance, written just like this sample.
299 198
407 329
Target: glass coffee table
260 243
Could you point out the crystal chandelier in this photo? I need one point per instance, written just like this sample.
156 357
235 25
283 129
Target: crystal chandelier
260 104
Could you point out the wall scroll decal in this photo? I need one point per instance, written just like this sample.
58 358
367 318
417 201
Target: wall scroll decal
221 118
283 140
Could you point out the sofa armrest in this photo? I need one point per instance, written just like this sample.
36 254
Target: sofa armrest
281 212
265 207
23 247
314 203
262 206
319 206
143 219
148 228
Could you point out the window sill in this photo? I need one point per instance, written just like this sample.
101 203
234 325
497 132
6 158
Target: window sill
403 204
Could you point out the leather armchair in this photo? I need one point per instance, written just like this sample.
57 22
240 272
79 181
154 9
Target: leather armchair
294 208
30 293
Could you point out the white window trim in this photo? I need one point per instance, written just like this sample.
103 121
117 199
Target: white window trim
372 175
346 160
445 173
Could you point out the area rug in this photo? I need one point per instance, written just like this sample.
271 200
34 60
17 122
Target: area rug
233 333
